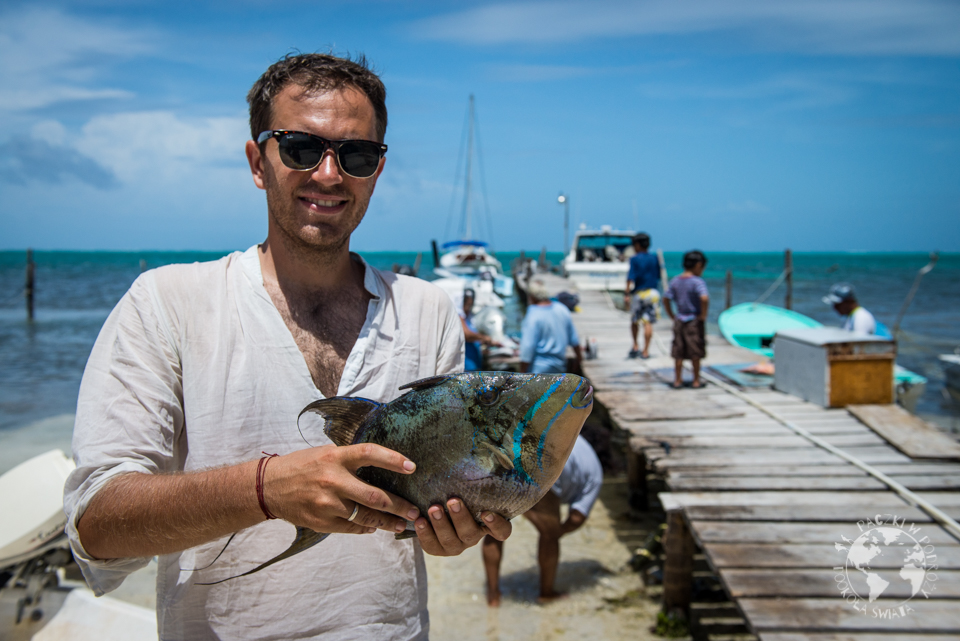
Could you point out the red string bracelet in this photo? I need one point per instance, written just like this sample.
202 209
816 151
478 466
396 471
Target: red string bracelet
261 470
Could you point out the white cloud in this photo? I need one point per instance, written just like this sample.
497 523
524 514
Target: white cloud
859 27
156 146
47 57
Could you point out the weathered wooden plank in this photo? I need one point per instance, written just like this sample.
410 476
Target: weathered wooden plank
733 483
809 513
668 404
822 582
854 636
845 469
787 439
731 428
836 615
688 499
908 433
775 532
806 555
845 482
761 456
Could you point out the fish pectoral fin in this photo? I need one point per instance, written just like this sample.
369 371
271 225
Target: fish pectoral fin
500 455
343 416
306 538
424 383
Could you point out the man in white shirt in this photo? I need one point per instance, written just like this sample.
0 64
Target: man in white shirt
202 369
844 301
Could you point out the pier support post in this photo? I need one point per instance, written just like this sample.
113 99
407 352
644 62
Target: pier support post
637 477
788 268
729 289
678 549
28 287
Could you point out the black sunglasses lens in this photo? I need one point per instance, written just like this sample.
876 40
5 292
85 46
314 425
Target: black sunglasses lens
298 151
359 159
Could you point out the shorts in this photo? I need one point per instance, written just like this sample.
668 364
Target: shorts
689 341
644 306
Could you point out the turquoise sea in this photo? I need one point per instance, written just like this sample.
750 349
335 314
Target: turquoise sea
42 361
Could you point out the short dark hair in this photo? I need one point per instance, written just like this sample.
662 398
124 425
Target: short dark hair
693 258
315 73
642 239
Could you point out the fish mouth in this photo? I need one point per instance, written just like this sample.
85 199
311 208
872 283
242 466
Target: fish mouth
584 395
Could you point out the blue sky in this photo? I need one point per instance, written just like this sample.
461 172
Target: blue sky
742 125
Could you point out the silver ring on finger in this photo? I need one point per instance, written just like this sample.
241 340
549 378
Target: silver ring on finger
353 515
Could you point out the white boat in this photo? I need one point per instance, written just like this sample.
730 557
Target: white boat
599 259
42 595
469 259
951 371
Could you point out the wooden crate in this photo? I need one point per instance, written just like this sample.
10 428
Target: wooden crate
834 368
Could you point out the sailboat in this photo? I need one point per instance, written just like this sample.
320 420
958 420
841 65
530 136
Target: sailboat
468 258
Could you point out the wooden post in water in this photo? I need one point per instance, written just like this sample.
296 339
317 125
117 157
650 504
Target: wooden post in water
678 547
28 288
729 289
788 268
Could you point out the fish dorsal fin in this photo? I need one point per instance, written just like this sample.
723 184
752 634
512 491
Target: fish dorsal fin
343 416
424 383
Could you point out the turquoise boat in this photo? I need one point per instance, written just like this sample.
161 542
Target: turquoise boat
753 325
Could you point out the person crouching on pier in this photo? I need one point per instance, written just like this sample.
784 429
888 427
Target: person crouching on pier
689 292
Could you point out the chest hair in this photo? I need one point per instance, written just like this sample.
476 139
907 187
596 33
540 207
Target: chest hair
325 328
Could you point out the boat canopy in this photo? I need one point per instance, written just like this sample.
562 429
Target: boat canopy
461 243
599 241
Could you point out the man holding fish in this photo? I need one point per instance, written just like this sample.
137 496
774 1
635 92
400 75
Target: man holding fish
201 370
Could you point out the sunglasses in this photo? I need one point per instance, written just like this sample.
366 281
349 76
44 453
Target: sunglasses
303 152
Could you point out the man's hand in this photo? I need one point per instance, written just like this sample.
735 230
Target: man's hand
443 535
318 489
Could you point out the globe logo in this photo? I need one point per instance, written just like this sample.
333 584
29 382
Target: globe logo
885 562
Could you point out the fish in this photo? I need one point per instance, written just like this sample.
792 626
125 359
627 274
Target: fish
496 440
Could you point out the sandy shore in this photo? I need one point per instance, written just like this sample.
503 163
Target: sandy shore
606 598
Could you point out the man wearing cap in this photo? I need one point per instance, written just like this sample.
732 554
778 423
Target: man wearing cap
641 294
844 301
473 353
546 332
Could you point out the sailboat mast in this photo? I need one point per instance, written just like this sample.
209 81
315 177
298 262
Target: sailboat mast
466 195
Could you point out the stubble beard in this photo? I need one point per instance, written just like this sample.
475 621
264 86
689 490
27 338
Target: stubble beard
325 248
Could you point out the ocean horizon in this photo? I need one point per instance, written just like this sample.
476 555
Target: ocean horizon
75 291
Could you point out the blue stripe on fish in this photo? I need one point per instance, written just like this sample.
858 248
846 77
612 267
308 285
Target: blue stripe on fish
543 436
522 426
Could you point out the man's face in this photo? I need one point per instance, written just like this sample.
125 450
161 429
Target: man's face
317 208
845 307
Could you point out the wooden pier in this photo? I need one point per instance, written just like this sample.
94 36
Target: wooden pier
773 513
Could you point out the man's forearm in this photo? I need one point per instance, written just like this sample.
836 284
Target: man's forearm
138 515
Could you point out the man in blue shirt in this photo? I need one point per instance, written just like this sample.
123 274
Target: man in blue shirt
641 294
546 332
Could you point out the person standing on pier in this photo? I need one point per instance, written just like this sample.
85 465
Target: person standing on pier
545 333
641 295
473 354
689 292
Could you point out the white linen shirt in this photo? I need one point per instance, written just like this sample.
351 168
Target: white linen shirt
196 368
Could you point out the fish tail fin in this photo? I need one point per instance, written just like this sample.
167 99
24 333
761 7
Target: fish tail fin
306 538
222 550
343 416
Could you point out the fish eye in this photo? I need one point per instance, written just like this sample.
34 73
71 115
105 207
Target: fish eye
488 395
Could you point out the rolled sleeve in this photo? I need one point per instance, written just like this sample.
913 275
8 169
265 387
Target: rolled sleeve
129 415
